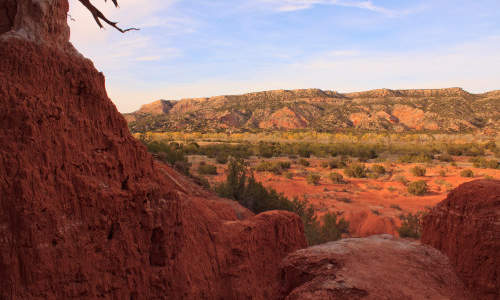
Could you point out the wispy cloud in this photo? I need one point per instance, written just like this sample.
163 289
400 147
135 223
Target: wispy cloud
293 5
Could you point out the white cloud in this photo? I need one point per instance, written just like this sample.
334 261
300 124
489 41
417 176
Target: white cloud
293 5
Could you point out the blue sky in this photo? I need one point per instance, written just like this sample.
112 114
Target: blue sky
214 47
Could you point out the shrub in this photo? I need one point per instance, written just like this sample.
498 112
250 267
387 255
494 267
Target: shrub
337 164
376 171
356 171
395 206
445 157
401 179
221 158
332 228
324 164
442 173
481 162
304 162
337 178
207 169
418 171
376 212
289 175
411 226
467 173
345 200
313 178
491 145
417 188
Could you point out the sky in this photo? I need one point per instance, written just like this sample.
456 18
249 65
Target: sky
206 48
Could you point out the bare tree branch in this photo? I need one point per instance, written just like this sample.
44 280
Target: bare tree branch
98 15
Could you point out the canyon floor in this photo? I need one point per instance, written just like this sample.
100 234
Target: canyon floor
372 206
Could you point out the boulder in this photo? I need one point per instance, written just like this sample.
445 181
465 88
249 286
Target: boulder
376 267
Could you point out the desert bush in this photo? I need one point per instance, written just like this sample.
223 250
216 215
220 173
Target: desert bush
467 173
417 188
376 171
304 162
221 158
376 212
183 167
481 162
401 179
356 171
206 169
442 173
418 171
337 163
337 178
344 199
491 145
416 158
313 178
445 157
411 226
324 164
396 206
289 175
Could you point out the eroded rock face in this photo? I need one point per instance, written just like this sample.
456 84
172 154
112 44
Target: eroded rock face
377 267
466 227
85 212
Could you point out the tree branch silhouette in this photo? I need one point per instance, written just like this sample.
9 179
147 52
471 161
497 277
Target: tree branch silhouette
98 16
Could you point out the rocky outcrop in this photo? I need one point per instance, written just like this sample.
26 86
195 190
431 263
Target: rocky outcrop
446 110
377 267
156 108
466 227
85 212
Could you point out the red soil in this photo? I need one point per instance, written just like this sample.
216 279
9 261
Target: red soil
369 210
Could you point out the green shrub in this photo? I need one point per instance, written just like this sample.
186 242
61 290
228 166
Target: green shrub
411 226
304 162
418 171
356 171
207 169
324 164
467 173
337 178
313 178
289 175
417 188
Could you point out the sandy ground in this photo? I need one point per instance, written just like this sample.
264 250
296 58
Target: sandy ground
372 206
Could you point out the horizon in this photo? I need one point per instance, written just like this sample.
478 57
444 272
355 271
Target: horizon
199 50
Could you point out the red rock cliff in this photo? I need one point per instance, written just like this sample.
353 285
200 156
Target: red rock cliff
466 227
86 212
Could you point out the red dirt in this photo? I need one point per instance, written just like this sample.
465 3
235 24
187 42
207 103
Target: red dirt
377 267
85 212
375 203
466 227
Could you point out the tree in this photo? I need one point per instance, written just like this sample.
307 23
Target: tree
98 15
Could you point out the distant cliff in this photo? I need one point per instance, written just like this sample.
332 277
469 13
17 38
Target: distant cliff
444 110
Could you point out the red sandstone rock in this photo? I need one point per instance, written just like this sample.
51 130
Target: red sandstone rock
377 267
466 227
85 212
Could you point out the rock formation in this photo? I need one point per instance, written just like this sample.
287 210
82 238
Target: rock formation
466 227
85 212
377 267
445 110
